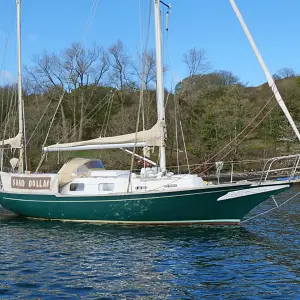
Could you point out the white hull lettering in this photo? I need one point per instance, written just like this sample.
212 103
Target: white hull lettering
31 183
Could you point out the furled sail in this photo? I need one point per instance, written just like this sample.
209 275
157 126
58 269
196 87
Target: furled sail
151 137
14 142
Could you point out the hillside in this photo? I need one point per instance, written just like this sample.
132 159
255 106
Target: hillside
221 118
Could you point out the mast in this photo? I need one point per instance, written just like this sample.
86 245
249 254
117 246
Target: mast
20 101
160 86
269 77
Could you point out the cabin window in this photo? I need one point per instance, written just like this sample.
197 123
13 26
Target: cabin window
76 187
106 187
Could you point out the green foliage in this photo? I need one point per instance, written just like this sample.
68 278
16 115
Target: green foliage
216 110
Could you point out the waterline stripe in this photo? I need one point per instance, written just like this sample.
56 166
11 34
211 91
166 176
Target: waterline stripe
221 221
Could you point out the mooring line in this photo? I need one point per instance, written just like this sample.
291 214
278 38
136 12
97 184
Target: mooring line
277 206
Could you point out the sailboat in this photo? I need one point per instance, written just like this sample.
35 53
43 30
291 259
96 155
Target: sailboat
83 190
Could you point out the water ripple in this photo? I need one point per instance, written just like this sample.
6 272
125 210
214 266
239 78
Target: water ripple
56 260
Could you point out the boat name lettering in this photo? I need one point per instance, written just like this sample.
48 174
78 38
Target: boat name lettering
31 183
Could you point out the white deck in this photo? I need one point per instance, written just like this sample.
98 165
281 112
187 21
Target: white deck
103 182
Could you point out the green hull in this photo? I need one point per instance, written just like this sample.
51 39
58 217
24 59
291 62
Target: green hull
180 207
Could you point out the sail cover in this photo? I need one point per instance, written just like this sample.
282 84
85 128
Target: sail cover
151 137
14 142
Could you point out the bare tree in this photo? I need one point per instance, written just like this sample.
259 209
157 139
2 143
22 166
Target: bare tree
84 68
285 73
147 66
120 63
196 61
145 71
75 69
276 76
47 77
46 73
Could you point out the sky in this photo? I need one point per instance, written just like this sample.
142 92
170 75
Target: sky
207 24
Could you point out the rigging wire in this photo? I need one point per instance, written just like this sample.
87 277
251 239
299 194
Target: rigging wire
176 134
236 137
109 113
87 27
141 68
24 138
106 117
235 146
177 113
40 120
89 116
186 156
91 15
15 115
3 66
141 95
6 124
10 113
271 209
5 47
233 140
53 118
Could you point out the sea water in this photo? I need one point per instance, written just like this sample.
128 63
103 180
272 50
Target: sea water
57 260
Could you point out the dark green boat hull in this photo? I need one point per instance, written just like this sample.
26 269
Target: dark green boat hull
179 207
